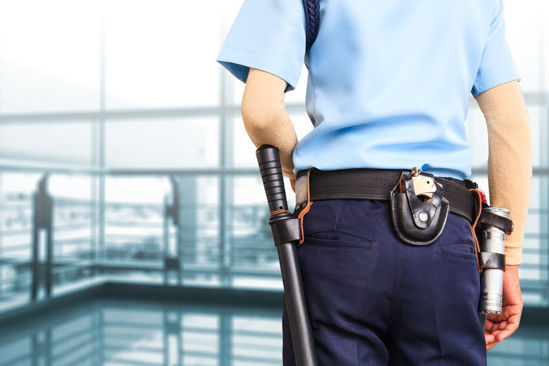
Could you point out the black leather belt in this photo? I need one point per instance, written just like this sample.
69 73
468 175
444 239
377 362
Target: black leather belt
375 184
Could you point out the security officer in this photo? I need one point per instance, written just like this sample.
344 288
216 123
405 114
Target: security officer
387 91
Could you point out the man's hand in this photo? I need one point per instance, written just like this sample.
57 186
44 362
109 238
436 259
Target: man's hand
292 181
500 326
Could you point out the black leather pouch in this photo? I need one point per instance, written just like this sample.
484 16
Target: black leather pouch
417 220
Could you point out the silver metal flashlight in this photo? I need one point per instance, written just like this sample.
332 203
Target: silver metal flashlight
493 241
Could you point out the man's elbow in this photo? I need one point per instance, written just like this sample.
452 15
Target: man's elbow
261 113
263 100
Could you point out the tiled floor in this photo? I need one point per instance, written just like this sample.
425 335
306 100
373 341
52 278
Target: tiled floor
108 332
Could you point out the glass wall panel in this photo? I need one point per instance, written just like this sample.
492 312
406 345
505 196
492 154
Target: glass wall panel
16 221
153 219
135 225
61 142
24 218
73 230
163 143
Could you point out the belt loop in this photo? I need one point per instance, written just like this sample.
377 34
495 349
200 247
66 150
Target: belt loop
303 198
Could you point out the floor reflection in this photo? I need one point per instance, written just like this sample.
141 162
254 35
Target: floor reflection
109 332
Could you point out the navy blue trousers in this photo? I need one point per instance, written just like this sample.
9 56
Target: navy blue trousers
374 300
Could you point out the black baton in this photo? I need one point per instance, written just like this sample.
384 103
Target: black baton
286 232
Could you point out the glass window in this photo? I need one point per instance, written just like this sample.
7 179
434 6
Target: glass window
16 222
44 141
162 143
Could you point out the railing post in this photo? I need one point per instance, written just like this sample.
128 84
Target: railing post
42 210
171 213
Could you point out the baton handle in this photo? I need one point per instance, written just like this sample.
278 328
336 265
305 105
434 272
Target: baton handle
271 174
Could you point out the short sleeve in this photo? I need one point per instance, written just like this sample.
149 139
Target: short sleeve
496 65
268 35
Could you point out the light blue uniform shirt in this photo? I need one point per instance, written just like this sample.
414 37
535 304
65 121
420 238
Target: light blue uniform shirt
388 81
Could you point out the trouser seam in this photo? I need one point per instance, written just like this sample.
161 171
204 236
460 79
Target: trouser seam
396 296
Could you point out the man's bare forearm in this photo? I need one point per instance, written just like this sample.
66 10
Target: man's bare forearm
265 117
509 159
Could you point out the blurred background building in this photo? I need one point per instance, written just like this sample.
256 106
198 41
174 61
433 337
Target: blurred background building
133 223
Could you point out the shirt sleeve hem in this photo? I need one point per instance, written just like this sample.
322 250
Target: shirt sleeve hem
492 82
238 63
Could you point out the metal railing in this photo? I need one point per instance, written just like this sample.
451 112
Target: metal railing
48 243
